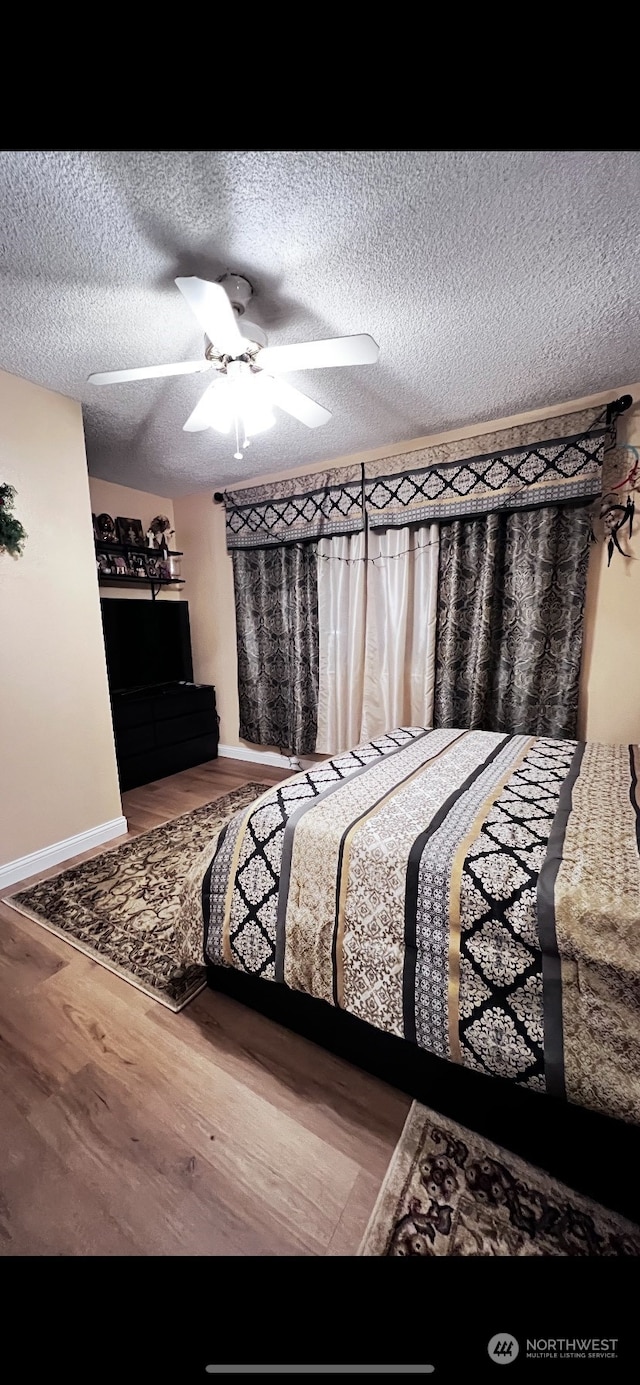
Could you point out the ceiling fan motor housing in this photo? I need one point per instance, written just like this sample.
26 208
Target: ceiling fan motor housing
238 290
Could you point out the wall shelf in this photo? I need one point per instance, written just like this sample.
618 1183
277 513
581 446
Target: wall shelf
107 581
133 579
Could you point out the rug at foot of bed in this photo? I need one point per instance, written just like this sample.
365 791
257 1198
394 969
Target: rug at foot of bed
450 1192
119 908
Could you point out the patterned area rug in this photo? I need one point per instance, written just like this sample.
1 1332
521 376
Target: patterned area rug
119 907
450 1192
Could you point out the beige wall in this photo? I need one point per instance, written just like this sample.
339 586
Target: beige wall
609 701
208 588
59 773
610 682
106 497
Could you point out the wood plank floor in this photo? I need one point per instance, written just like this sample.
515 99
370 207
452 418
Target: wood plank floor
128 1130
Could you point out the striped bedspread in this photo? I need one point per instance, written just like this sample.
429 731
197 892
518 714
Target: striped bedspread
476 893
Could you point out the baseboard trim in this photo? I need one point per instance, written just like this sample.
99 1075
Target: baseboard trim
259 757
37 861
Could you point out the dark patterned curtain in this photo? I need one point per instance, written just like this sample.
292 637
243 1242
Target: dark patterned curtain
510 609
276 592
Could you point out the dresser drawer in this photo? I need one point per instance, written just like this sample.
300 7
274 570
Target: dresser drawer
176 729
183 701
132 740
132 711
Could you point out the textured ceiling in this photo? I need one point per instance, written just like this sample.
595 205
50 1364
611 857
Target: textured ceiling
493 282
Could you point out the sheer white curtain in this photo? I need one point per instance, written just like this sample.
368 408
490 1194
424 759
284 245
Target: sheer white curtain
402 585
341 625
377 630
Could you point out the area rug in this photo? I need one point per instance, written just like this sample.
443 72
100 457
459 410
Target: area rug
450 1192
119 908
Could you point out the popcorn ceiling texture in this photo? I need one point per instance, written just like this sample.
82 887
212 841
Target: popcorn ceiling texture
493 282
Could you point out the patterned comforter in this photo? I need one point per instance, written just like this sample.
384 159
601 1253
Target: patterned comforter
476 893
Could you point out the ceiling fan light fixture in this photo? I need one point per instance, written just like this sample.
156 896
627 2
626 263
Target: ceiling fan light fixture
256 420
250 401
219 413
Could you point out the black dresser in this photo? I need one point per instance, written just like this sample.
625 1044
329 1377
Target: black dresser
162 730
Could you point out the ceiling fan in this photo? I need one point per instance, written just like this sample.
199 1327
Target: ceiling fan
248 372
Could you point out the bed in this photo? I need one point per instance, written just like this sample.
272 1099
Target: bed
473 894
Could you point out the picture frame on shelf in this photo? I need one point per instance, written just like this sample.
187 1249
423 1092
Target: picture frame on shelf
130 532
153 567
138 565
104 564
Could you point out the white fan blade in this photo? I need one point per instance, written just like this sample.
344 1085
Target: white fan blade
148 372
213 310
310 355
206 414
297 404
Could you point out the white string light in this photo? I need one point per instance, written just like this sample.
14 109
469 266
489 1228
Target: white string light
380 557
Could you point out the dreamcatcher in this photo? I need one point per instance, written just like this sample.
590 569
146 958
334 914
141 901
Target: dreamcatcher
616 509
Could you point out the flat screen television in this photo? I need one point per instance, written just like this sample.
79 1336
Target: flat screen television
147 643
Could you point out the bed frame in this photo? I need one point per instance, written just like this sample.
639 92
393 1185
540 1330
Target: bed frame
594 1154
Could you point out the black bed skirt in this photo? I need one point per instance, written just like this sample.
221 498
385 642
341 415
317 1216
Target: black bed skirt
593 1154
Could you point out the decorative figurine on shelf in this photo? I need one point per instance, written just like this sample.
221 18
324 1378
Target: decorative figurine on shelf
161 529
151 539
105 529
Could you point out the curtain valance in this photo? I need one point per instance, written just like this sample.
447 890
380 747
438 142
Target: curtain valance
532 464
307 508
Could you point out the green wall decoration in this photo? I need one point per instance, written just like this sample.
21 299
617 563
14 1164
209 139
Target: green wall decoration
12 532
